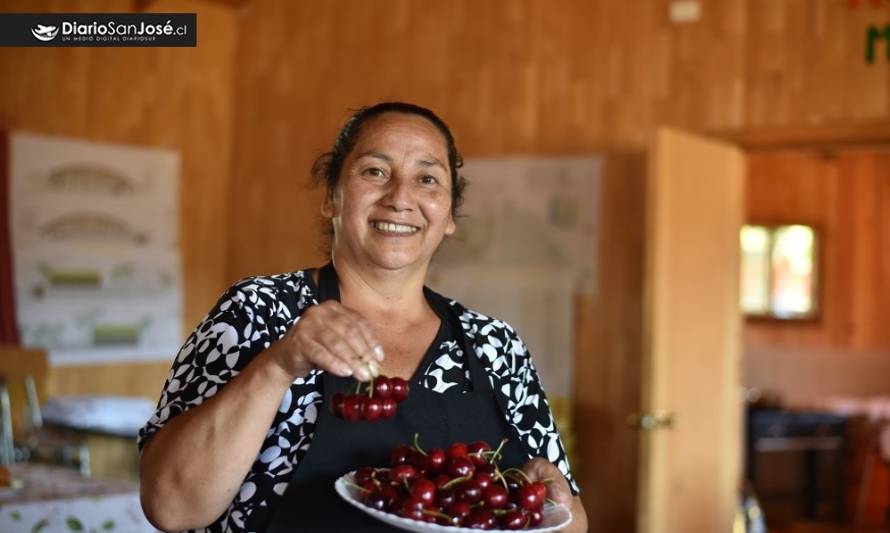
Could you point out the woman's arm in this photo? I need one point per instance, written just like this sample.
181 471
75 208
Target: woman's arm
192 468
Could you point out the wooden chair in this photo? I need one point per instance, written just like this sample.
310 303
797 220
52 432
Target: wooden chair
23 372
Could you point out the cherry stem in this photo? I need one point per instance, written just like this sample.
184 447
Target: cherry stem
554 502
495 454
455 481
417 444
358 387
351 484
371 388
521 473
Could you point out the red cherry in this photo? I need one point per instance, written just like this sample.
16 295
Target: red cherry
484 478
411 508
382 387
376 500
337 404
495 496
353 408
469 491
535 517
391 495
435 460
424 490
399 455
461 467
515 519
445 496
475 451
363 474
441 480
461 509
458 449
373 409
531 496
387 408
400 473
399 389
480 519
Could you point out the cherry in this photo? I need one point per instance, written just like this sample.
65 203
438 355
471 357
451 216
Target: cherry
484 479
399 389
353 408
382 387
515 519
448 520
445 496
531 496
363 474
495 496
441 480
373 408
461 467
391 496
403 472
469 491
476 452
387 408
399 455
411 508
535 517
338 403
424 490
458 449
461 509
480 518
435 460
376 500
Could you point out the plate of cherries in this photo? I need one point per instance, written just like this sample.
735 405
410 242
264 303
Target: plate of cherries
456 490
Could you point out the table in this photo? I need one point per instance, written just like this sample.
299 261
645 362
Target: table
55 499
807 432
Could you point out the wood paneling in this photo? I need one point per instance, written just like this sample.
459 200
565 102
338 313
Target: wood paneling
843 192
180 98
609 351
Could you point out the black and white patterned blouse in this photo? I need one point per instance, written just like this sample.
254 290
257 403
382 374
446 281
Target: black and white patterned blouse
255 312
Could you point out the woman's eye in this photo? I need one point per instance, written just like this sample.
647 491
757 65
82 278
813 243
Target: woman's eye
376 172
428 180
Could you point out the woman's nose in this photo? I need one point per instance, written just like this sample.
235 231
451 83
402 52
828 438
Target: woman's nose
399 195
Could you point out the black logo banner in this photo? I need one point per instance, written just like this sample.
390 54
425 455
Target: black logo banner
98 29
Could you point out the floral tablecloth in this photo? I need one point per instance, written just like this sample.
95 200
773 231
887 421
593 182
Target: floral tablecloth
54 499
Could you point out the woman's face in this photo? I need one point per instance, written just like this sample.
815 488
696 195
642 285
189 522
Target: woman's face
392 206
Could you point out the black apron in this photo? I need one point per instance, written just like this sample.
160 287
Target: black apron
310 502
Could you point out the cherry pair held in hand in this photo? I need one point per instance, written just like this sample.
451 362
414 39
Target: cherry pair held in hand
377 402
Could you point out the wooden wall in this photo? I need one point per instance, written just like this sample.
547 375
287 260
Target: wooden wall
845 193
181 98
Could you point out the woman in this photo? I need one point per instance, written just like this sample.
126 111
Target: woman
243 440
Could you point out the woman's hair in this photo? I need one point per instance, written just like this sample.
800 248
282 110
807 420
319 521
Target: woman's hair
327 167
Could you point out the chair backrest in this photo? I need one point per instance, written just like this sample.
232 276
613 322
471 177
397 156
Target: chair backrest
16 363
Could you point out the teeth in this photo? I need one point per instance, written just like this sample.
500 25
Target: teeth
393 228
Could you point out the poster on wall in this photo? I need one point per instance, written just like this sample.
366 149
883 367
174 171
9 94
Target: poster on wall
524 249
95 249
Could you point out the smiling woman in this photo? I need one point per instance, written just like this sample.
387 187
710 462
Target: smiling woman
244 439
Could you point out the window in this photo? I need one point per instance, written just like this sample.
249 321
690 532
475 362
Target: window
779 271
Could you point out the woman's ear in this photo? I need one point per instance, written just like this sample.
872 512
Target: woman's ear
327 206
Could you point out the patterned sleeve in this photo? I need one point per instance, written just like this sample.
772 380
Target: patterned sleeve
237 328
530 411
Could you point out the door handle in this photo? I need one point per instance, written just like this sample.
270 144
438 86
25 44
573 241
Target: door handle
649 421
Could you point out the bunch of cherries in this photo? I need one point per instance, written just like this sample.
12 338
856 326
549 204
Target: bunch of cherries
377 402
462 487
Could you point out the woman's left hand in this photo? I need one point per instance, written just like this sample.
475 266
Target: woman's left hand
540 469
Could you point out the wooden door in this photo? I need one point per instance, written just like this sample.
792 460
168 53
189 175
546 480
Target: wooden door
689 473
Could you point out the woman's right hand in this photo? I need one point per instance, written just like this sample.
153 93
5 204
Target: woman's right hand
331 337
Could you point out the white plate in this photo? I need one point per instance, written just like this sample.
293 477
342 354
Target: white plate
556 517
